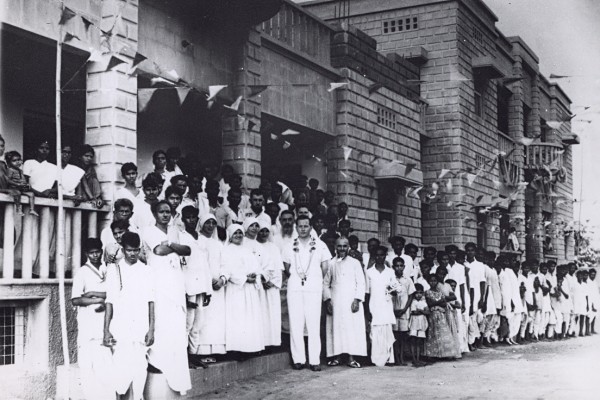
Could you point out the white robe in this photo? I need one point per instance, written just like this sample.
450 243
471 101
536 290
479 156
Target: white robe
344 282
243 315
271 270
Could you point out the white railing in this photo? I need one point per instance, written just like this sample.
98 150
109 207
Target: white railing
29 242
542 155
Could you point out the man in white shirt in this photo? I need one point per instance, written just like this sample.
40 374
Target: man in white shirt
397 244
256 209
477 292
305 263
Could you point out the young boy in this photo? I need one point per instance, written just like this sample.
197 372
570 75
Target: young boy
129 318
402 300
17 183
88 294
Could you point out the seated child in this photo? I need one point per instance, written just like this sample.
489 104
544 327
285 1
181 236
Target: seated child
418 325
17 183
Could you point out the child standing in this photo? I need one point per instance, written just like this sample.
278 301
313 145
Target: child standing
18 183
88 294
129 318
418 325
402 300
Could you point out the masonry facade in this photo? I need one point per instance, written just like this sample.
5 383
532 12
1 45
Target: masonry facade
427 86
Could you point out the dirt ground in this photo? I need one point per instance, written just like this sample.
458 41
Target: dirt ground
546 370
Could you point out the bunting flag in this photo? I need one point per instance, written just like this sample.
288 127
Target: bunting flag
316 158
336 85
347 152
137 59
409 168
274 136
95 56
158 79
66 15
286 145
251 124
553 76
209 104
289 132
496 184
375 87
416 191
471 178
113 62
182 93
345 175
213 91
185 44
86 23
255 90
443 173
144 97
554 124
449 185
69 36
173 74
526 141
235 105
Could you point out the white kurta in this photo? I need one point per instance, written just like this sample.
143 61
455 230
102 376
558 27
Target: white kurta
196 271
243 315
208 333
271 270
129 288
41 175
344 282
169 352
380 299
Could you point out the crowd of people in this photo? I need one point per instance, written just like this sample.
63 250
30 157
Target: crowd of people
193 270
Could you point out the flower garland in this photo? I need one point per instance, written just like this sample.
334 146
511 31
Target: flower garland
303 273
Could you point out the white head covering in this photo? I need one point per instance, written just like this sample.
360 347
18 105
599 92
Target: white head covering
249 221
231 229
205 217
263 225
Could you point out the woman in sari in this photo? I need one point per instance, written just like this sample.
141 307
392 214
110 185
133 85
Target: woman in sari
442 336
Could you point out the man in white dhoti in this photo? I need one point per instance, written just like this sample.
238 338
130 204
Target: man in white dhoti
89 292
477 284
305 262
129 318
343 293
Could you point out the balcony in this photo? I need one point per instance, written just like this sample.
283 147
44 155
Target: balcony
506 145
29 242
542 155
299 31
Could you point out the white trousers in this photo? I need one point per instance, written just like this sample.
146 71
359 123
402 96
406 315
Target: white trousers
305 310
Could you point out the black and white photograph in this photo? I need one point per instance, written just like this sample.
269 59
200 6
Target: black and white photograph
299 199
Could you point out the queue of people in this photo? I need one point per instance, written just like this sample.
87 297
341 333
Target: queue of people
193 270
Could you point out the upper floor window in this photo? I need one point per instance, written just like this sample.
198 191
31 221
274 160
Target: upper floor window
400 25
12 335
477 35
386 118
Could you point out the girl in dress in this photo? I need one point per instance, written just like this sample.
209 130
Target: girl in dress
418 325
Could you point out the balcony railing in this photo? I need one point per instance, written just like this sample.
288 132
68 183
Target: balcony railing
506 145
300 30
29 242
541 155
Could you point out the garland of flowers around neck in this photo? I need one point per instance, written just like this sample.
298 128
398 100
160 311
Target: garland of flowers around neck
303 273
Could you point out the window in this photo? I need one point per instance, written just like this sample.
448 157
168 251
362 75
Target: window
480 86
386 118
478 101
477 35
502 108
481 230
12 334
387 199
401 25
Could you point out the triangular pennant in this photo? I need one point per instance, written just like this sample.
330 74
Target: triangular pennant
137 59
336 85
471 178
95 56
415 193
274 136
66 15
409 168
288 132
553 76
255 90
236 104
449 185
144 96
554 124
182 93
526 141
86 22
345 175
251 124
496 184
347 152
443 173
435 187
214 90
69 36
113 62
173 74
375 87
286 145
159 79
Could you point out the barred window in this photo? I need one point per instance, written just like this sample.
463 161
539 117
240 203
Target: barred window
386 118
477 34
12 334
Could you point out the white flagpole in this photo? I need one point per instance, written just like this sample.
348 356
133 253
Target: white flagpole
60 232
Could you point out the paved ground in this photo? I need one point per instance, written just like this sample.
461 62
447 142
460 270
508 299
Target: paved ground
550 370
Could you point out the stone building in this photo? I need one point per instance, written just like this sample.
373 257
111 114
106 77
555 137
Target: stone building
423 85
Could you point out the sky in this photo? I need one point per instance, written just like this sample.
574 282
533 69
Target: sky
565 35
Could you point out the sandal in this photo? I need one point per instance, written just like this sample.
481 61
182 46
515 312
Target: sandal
333 363
208 360
354 364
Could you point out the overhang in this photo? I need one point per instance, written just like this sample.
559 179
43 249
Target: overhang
570 138
493 202
486 67
398 171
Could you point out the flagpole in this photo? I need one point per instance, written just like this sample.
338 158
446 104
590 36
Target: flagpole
60 232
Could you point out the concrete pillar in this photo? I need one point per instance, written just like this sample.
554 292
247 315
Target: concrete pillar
111 101
242 146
